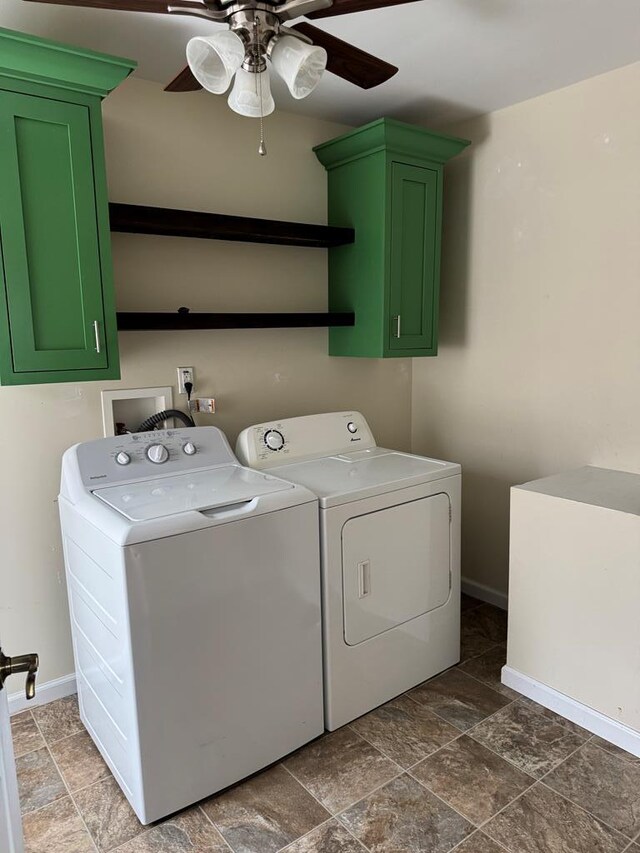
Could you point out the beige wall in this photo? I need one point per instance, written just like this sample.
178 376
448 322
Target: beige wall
539 365
540 353
185 151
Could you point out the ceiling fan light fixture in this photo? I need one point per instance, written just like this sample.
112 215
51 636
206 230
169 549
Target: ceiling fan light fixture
251 94
300 65
214 60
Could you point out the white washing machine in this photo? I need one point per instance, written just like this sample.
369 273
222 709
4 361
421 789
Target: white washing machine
390 548
194 590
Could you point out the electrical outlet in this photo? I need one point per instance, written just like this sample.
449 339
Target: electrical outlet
185 374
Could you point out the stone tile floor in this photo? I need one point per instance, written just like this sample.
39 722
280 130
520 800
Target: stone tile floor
458 763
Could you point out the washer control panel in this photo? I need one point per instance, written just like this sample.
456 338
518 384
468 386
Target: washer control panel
143 454
310 437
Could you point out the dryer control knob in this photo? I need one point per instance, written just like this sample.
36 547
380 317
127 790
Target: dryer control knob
352 427
157 453
189 448
123 458
274 439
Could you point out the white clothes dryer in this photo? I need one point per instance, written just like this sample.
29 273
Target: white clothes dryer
390 554
194 591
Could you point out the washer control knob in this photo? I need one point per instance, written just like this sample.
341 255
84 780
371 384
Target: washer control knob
189 448
157 453
123 458
274 439
352 427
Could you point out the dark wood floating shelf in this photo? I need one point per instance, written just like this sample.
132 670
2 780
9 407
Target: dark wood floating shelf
183 320
137 219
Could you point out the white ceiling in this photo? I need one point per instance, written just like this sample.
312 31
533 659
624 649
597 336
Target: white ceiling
456 57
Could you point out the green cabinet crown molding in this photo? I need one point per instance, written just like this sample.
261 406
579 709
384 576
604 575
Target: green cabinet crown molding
37 60
393 137
385 181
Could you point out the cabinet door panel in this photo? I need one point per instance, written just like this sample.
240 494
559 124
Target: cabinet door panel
413 278
49 236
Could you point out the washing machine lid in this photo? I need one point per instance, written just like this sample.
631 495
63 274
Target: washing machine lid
193 491
348 477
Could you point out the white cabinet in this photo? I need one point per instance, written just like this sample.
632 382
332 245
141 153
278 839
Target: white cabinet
574 598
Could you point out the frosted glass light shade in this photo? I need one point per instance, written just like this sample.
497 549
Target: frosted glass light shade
245 95
214 59
300 65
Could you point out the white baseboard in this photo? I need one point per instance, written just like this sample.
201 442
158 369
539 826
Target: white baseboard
46 692
485 593
588 718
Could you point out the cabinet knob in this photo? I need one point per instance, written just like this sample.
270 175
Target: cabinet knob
398 321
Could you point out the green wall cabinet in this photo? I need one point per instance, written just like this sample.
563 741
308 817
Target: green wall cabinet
57 310
385 180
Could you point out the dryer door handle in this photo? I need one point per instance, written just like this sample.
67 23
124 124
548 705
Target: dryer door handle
364 579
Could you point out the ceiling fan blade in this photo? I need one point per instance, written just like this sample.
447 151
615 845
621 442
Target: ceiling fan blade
184 82
157 6
349 62
297 8
346 7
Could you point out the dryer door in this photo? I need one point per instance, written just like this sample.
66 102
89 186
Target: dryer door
395 566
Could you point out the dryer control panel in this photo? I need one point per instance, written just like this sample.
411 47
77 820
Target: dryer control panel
296 439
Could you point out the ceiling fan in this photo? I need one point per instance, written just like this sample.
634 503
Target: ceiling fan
257 33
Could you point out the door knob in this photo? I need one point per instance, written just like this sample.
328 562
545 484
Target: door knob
21 663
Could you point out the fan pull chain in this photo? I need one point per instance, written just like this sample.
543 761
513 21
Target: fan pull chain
262 148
